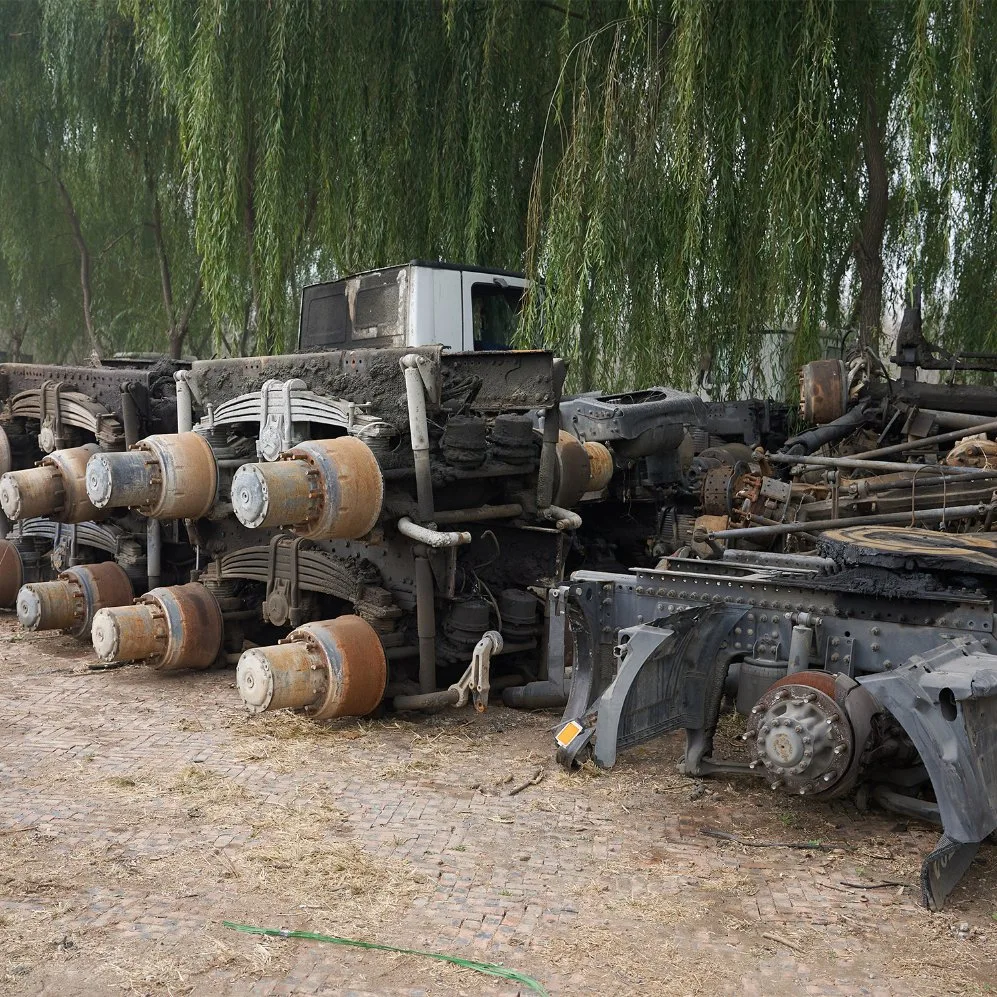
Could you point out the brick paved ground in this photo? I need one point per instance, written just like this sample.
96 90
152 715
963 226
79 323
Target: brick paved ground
138 811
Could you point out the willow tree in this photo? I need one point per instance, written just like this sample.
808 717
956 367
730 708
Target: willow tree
733 166
96 236
681 174
325 137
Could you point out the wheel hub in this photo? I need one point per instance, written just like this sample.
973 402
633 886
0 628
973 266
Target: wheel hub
801 738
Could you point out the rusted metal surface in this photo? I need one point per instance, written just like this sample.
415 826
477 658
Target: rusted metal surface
322 489
282 676
11 573
55 488
6 458
600 465
169 629
49 605
572 470
189 476
823 391
330 668
128 633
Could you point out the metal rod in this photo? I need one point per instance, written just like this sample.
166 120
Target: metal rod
154 552
548 451
859 464
950 437
185 402
482 513
425 610
885 519
129 414
431 538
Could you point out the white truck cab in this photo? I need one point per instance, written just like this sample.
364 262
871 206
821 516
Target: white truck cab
463 308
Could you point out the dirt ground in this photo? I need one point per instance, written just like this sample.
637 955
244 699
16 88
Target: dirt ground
139 811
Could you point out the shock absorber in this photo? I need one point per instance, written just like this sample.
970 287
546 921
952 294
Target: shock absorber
331 668
55 487
171 476
322 489
70 602
168 629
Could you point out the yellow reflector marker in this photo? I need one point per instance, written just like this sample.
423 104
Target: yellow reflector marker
568 733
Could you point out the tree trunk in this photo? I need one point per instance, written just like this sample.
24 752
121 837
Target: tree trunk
176 329
868 247
17 341
84 251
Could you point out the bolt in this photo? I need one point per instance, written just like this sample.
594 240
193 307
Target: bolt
798 729
828 777
832 719
752 765
756 709
766 728
875 631
775 785
835 656
835 641
810 698
875 647
839 749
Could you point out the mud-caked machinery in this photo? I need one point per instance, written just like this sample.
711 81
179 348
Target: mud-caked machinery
61 558
385 511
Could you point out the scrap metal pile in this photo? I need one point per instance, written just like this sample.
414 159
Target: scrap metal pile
391 514
859 651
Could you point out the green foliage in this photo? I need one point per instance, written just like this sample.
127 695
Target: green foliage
682 174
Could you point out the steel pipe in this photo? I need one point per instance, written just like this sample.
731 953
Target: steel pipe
885 519
950 437
481 514
185 402
854 463
563 519
415 397
153 552
429 537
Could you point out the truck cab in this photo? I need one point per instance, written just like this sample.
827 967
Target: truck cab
464 308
